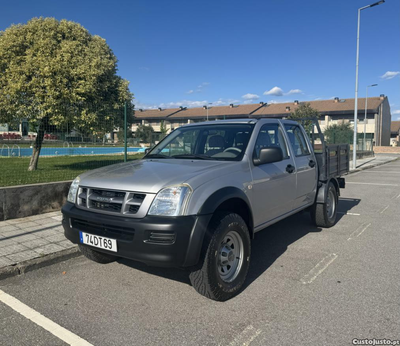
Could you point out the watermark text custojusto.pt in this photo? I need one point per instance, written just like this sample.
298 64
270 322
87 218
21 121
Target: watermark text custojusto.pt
375 342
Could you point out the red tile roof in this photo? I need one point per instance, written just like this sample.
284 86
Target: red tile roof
323 106
218 111
343 106
395 127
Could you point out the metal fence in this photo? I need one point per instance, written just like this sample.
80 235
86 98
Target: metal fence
68 149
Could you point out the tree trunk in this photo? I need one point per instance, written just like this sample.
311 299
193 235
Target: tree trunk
38 145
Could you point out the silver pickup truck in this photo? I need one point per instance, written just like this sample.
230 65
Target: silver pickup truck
198 197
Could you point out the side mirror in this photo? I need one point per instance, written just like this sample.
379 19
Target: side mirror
146 151
269 155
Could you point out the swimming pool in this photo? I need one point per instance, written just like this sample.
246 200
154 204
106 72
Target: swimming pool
56 151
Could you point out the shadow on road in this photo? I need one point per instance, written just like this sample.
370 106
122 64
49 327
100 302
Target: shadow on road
268 245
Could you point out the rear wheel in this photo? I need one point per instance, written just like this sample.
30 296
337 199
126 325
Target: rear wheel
324 214
96 256
225 264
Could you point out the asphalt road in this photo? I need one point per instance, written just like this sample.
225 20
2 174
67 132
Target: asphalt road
306 286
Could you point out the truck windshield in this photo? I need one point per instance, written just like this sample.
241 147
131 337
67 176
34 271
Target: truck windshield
205 142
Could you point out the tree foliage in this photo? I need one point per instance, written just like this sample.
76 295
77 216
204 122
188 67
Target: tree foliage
304 110
163 130
339 133
145 133
56 73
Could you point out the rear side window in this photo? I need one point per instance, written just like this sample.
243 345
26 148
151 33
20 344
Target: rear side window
297 140
270 135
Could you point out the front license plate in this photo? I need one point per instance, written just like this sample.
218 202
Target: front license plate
97 241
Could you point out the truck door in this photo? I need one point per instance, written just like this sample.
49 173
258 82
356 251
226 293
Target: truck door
274 184
306 166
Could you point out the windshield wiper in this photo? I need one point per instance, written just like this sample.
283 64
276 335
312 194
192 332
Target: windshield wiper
192 156
157 156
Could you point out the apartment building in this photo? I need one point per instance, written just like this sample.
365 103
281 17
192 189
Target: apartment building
378 117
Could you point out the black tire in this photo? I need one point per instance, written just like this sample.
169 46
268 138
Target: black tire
96 256
206 278
321 214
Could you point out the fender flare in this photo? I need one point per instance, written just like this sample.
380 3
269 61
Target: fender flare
322 192
220 196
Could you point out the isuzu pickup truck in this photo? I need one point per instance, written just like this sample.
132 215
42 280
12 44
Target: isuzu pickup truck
198 197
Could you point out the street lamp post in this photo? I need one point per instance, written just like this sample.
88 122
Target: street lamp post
365 116
356 96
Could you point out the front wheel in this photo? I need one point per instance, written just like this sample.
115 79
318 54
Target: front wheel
324 214
226 261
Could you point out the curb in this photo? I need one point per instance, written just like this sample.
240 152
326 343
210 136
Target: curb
39 262
372 166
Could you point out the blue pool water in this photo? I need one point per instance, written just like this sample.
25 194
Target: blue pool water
15 152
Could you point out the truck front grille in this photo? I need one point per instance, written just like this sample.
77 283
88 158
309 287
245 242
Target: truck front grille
110 201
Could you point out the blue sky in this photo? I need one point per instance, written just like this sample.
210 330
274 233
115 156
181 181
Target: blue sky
194 52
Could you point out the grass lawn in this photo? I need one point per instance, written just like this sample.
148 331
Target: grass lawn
14 170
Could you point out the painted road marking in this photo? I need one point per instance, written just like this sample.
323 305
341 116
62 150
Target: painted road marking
47 324
366 171
318 269
383 210
353 214
246 336
396 197
354 182
357 232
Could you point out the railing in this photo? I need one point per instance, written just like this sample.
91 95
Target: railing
8 150
15 146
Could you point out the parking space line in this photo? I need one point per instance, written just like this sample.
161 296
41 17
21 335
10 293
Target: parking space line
318 269
42 321
246 337
360 183
398 196
383 210
366 171
345 213
357 232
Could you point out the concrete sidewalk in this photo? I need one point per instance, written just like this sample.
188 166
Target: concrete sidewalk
37 241
369 162
32 241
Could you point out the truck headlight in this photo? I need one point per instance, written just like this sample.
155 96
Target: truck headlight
171 201
73 190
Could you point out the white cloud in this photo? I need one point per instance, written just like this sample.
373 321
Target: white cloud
224 102
203 84
276 91
390 74
294 91
250 97
278 101
183 103
396 112
190 92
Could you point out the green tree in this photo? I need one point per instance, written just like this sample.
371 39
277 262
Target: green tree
56 73
304 110
163 130
339 133
144 133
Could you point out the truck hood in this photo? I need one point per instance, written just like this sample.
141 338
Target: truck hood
151 175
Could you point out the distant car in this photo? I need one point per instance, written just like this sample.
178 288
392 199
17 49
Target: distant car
199 196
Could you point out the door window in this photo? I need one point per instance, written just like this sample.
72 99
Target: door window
270 135
297 140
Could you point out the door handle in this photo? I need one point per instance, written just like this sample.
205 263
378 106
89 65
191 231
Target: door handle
311 163
289 168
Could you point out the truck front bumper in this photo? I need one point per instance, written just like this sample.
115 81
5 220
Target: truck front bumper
154 240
